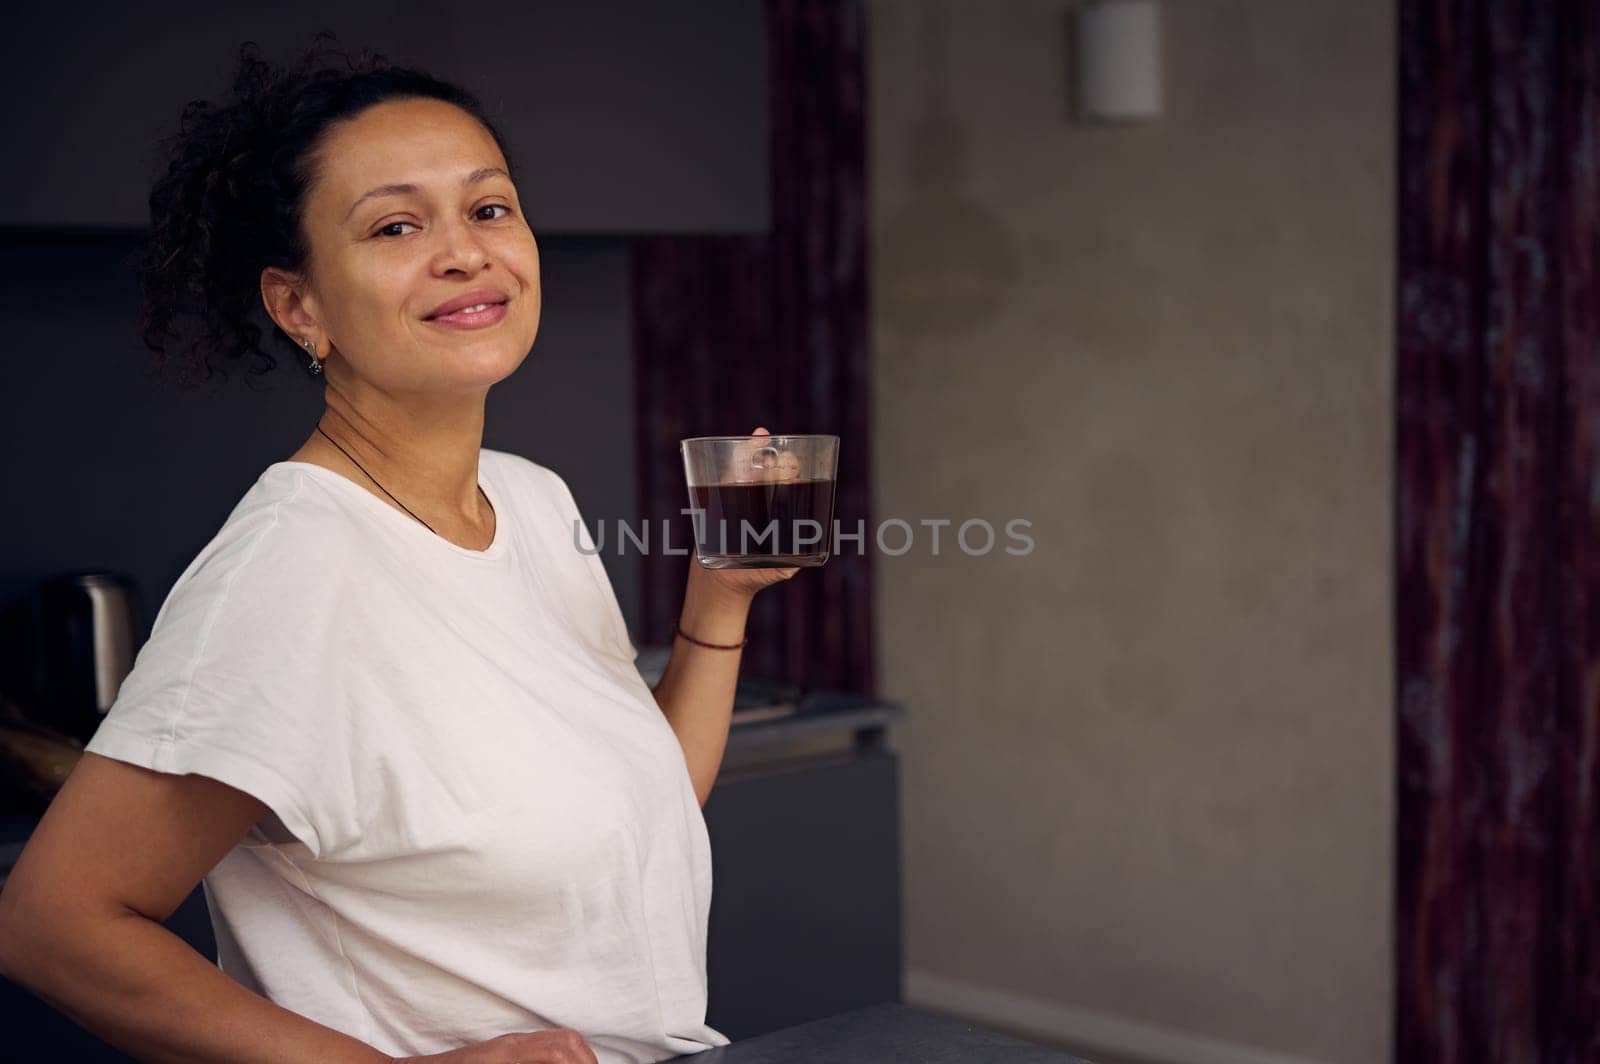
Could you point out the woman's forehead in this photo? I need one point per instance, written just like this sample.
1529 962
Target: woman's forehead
417 142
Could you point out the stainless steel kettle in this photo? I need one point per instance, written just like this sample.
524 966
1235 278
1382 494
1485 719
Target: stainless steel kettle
88 629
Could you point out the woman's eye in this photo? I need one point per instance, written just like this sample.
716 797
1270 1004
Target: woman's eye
494 207
388 230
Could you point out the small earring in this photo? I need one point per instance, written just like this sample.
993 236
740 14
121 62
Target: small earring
311 346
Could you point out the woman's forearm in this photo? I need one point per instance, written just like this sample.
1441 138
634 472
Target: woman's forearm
696 691
143 989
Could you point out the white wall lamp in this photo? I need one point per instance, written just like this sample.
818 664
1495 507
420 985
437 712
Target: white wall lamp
1118 45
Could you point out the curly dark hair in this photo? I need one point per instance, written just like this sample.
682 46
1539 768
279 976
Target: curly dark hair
232 200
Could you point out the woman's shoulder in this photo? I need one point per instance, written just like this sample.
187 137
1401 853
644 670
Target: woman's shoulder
278 572
286 529
523 471
528 478
292 506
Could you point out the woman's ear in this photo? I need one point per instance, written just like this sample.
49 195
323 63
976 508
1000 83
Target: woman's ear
287 303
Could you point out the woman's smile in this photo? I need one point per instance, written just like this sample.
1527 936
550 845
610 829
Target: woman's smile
475 310
479 317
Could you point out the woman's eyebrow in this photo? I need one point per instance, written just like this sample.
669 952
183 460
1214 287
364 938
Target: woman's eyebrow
481 174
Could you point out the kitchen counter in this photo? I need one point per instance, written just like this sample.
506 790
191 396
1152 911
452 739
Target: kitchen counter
815 714
883 1034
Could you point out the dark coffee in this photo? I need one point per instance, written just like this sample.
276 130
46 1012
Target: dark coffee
752 526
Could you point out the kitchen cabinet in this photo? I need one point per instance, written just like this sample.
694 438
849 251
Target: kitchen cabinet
805 849
624 116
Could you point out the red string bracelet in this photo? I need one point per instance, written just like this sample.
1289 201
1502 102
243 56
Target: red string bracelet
680 633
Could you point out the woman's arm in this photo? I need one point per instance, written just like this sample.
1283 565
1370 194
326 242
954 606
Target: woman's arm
80 922
696 690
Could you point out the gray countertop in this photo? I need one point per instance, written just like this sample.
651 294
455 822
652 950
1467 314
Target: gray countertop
883 1034
813 714
768 713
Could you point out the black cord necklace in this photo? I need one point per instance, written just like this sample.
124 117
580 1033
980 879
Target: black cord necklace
383 489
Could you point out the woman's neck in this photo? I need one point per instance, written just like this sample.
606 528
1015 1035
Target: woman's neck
424 457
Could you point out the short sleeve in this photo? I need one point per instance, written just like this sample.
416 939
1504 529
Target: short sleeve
233 683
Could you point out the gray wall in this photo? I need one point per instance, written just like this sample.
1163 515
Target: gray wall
1148 768
104 468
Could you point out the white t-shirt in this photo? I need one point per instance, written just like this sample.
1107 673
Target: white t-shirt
482 823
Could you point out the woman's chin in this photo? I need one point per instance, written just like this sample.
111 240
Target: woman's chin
477 370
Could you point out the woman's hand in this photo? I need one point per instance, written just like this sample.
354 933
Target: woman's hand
739 583
560 1046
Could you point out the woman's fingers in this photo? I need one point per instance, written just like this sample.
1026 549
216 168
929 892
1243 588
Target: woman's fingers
749 464
560 1046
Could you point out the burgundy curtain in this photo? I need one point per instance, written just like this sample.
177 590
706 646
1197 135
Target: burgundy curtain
1498 537
735 332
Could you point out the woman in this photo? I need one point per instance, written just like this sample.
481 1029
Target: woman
390 713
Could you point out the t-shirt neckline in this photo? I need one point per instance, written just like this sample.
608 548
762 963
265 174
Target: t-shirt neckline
496 545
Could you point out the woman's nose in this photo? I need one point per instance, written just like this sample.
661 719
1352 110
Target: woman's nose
461 249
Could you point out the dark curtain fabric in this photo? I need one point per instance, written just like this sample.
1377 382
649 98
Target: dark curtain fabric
735 332
1498 536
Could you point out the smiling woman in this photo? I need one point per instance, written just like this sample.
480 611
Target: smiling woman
393 270
389 713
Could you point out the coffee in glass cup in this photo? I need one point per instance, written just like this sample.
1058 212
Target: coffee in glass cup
761 501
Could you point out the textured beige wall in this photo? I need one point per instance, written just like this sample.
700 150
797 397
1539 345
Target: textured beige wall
1147 768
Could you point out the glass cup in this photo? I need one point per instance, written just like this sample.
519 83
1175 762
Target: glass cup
761 501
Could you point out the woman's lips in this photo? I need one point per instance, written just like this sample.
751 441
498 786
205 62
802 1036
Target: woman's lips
467 318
